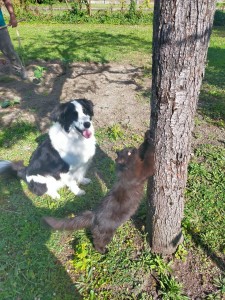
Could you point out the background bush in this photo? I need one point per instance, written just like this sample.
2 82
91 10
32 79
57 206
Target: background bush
132 15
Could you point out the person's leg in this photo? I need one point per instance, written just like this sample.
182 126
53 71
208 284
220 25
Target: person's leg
8 50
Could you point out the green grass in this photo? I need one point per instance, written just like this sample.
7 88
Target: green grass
204 210
122 44
34 261
212 96
98 43
28 269
31 256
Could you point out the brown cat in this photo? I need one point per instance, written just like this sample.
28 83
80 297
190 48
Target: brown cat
134 166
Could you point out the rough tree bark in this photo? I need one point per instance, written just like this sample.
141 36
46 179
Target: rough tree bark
180 41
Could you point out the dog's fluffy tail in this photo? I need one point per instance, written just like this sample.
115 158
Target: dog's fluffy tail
11 168
5 166
81 221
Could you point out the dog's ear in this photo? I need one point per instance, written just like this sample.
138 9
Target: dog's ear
56 113
90 107
59 113
87 106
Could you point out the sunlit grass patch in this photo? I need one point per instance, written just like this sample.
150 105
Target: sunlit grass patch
125 272
205 208
85 42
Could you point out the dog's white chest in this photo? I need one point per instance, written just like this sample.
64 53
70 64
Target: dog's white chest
78 153
72 147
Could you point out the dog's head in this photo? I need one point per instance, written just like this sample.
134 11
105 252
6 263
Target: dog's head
75 115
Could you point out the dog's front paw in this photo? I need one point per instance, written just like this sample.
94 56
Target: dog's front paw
54 195
81 192
85 181
76 190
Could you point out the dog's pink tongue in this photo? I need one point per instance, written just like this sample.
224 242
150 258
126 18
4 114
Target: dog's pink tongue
87 133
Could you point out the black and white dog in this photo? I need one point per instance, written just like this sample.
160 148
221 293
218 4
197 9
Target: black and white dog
62 159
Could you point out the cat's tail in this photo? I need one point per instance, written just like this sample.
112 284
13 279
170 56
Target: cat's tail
81 221
12 168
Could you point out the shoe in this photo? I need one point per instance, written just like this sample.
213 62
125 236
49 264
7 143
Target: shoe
23 74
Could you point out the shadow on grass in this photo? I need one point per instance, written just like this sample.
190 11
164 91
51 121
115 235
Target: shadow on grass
28 269
219 18
34 106
15 133
215 70
23 247
91 45
212 96
219 261
38 100
212 106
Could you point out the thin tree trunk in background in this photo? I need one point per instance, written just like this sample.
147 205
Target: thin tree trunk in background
68 7
180 41
89 9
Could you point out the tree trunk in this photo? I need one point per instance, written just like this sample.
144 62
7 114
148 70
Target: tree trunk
180 41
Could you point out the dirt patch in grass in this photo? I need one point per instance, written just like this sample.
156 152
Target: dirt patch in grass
116 91
120 94
196 275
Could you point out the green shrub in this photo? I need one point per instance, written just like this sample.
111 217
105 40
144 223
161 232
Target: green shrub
78 16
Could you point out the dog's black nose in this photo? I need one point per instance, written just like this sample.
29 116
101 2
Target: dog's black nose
87 124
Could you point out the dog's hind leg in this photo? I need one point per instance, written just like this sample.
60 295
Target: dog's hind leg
72 184
52 188
53 194
37 188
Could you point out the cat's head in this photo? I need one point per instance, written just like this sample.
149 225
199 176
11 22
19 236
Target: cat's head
125 158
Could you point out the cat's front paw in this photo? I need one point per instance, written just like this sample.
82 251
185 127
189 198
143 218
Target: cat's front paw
102 250
148 137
